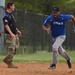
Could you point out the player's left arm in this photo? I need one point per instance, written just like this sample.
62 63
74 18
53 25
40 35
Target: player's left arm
73 20
19 32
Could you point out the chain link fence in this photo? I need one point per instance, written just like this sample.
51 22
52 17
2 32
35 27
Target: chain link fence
34 38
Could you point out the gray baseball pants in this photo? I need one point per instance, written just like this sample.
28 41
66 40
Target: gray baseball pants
57 48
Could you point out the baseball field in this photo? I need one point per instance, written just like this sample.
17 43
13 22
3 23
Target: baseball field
37 64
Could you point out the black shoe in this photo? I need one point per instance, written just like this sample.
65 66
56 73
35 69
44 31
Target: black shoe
53 66
69 63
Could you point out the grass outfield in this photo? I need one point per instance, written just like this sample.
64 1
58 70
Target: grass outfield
39 57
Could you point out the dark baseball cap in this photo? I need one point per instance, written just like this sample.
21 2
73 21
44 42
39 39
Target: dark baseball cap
55 9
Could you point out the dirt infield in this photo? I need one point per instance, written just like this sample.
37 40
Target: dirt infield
37 69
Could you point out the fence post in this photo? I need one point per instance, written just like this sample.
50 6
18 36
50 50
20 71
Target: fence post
2 12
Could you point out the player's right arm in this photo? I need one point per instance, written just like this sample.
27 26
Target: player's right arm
10 32
44 27
5 20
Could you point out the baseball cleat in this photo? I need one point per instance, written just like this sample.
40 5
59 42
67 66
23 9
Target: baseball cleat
53 66
69 63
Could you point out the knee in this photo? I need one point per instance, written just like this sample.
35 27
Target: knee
11 50
55 48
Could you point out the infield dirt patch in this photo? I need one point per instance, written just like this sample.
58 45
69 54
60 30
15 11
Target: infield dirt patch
37 69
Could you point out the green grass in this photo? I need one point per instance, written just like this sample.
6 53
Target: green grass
39 57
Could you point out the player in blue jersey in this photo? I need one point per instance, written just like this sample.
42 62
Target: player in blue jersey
57 29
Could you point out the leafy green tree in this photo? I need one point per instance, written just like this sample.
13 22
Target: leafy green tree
45 6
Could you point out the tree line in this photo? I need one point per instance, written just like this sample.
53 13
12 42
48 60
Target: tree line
45 6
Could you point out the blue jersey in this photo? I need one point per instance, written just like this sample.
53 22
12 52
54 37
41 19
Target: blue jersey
57 25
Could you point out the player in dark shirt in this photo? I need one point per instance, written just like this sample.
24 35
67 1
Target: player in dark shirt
10 20
11 35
